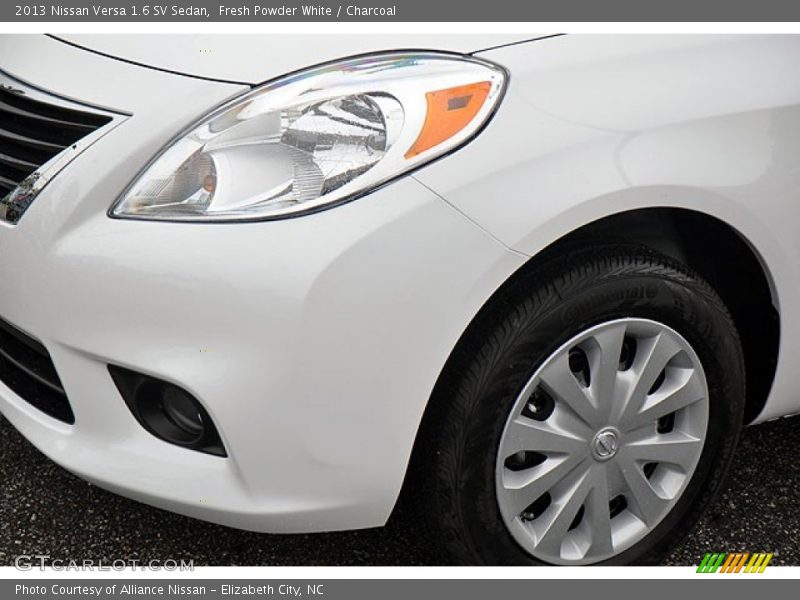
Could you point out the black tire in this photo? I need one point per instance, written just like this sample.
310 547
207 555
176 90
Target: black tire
521 326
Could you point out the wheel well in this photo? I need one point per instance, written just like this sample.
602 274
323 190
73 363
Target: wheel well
722 257
707 245
710 247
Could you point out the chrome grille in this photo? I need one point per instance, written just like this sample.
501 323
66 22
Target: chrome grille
35 131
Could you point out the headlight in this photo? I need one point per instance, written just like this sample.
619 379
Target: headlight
317 138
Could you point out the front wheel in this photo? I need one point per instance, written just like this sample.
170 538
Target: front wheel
589 417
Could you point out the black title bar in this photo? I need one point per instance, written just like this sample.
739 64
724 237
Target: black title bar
400 11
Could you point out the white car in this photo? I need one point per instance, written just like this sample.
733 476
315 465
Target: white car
539 283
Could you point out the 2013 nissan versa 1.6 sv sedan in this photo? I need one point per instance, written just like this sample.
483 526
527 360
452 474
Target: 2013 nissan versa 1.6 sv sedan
539 284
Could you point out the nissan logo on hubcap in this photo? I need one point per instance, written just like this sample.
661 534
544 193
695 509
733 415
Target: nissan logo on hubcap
605 444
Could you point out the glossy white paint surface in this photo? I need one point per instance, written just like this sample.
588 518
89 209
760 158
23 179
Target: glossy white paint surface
257 58
596 125
314 342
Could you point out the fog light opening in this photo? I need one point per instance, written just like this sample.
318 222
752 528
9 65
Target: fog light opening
182 411
168 412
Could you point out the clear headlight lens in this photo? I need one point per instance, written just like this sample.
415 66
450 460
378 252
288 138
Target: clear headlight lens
317 138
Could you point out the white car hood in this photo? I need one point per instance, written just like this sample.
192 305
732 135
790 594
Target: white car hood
254 59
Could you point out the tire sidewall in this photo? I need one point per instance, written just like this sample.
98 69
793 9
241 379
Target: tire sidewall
671 297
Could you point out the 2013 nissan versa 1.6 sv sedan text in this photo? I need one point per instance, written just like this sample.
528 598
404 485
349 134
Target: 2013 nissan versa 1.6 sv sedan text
538 284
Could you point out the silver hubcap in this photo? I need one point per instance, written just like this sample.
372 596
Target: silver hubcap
602 442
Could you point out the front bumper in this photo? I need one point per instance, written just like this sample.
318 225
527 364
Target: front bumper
313 343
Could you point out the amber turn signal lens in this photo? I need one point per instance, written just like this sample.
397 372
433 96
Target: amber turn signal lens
449 111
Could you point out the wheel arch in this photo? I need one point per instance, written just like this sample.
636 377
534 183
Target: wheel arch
725 258
711 247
